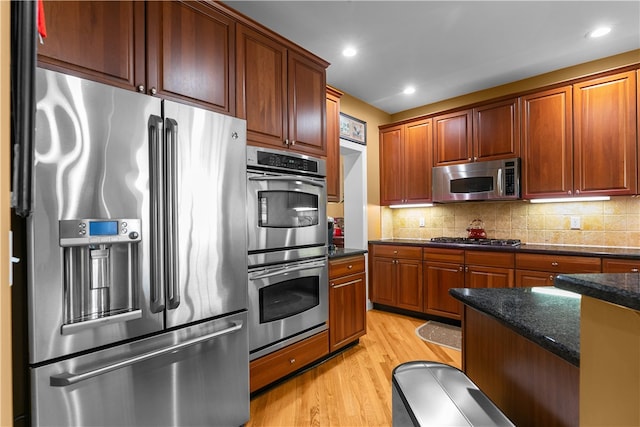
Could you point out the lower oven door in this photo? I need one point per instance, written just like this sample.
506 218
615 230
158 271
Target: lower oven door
285 211
287 302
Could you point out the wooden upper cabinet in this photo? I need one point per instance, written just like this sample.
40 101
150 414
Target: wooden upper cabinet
496 131
281 93
333 145
190 54
547 144
606 159
186 52
405 163
391 165
452 138
100 40
488 132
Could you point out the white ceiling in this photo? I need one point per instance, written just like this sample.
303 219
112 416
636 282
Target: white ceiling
446 48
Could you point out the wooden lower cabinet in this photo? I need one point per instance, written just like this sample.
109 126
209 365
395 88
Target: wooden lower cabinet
541 269
443 270
617 265
274 366
485 269
347 301
396 276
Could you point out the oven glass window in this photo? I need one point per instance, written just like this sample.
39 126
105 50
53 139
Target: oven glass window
287 209
288 298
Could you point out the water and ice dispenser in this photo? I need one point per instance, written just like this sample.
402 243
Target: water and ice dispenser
101 271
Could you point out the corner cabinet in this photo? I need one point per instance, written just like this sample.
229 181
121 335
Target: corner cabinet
281 93
347 301
333 145
142 46
396 276
405 163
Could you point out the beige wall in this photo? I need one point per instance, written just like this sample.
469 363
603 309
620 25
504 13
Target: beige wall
374 118
6 401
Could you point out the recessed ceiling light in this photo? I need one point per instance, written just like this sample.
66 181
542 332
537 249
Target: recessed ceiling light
409 90
349 51
599 32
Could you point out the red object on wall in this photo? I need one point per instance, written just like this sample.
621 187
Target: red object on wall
42 27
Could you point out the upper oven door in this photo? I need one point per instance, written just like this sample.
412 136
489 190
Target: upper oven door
285 211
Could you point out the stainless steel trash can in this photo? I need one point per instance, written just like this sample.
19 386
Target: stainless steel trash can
434 394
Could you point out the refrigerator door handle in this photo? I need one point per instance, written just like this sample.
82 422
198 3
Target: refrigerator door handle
156 149
68 378
172 213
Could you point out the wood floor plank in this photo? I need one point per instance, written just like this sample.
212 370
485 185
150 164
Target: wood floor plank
353 388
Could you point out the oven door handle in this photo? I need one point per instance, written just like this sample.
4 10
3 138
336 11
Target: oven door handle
282 271
288 179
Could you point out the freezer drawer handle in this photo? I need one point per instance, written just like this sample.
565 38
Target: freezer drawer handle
69 378
286 178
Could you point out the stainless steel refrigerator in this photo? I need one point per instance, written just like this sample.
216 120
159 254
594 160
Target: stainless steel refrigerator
137 260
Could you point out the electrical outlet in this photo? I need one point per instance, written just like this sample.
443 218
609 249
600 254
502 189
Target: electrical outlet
421 221
575 223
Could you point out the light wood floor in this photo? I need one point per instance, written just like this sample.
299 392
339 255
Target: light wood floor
353 388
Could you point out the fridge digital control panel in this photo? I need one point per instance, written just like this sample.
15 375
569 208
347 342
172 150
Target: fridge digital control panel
79 232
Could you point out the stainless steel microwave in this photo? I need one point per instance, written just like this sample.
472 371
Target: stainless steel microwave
490 180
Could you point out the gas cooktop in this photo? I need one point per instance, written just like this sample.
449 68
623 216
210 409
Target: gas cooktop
483 242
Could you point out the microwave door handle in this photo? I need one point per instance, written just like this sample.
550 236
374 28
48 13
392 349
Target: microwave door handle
172 213
500 184
68 378
155 126
286 178
282 271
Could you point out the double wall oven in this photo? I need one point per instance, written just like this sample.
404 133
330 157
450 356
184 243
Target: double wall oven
287 242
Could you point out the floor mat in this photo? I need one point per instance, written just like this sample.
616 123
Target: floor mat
440 334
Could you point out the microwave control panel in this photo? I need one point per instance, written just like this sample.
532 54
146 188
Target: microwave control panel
510 178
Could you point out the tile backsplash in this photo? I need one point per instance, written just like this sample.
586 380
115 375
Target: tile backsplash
613 223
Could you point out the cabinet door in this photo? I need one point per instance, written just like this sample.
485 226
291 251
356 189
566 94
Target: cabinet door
488 277
261 87
547 143
453 138
391 162
529 279
409 284
347 310
307 103
496 131
606 160
190 56
383 278
418 151
100 40
333 145
439 278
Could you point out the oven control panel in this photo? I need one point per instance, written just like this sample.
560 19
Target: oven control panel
264 158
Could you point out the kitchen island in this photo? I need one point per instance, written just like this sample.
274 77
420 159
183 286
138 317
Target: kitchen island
521 346
609 347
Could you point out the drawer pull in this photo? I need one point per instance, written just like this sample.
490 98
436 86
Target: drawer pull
395 252
551 277
346 284
634 270
350 267
555 264
292 361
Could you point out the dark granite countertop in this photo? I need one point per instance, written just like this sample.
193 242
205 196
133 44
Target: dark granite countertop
545 315
619 288
335 252
595 251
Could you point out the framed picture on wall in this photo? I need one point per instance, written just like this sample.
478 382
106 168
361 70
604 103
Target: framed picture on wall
353 129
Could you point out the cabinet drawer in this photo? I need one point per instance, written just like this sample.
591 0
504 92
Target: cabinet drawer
558 263
346 266
277 365
490 259
444 255
615 265
390 251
